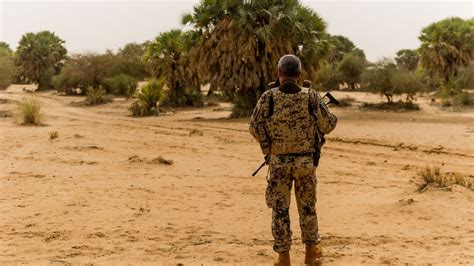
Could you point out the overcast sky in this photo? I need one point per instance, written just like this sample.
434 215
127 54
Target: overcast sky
380 28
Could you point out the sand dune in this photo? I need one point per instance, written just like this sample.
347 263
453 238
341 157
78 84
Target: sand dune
100 193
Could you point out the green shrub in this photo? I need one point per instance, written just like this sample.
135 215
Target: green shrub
121 84
351 67
30 111
115 71
148 98
329 77
388 80
183 97
95 96
463 98
7 68
242 107
455 97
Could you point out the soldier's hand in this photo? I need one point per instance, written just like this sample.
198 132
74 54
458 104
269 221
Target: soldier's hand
267 159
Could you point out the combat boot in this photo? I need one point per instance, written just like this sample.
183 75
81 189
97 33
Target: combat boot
283 259
313 254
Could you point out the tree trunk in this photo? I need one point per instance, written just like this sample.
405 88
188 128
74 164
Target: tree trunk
44 84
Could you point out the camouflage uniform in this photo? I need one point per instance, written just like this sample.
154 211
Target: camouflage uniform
286 122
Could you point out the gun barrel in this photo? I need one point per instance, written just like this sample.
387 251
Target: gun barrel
331 99
258 169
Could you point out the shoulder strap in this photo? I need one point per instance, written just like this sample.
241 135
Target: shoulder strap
310 106
271 105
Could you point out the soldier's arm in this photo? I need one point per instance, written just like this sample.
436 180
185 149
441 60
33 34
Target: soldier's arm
257 123
325 119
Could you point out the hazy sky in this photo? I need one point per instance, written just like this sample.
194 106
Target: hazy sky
380 28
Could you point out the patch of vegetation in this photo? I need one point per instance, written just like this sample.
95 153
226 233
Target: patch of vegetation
388 80
7 66
121 84
53 135
239 44
446 46
242 105
116 72
455 97
432 176
182 97
148 99
39 57
391 106
168 58
30 111
161 160
95 96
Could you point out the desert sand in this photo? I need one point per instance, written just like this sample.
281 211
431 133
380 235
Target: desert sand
98 194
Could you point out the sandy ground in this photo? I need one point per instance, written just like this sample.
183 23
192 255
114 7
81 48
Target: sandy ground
98 194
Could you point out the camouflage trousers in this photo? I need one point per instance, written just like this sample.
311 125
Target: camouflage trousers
284 170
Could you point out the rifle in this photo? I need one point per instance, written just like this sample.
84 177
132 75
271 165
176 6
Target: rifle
307 84
321 142
267 161
331 98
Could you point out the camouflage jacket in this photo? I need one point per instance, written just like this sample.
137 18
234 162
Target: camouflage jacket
288 121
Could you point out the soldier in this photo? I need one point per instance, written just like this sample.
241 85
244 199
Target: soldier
287 122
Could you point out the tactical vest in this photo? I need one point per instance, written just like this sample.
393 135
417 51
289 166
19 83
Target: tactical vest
292 126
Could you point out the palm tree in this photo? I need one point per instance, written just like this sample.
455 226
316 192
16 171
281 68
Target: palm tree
167 57
40 56
446 46
242 41
407 59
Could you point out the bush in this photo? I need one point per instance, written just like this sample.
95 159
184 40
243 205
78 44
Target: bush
95 96
7 66
388 80
242 106
121 84
463 98
183 97
408 83
148 98
81 72
117 73
329 77
350 68
30 111
432 176
455 97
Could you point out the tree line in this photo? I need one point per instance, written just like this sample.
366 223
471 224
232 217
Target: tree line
234 46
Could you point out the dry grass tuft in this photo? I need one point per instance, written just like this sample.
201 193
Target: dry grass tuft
30 111
196 132
161 160
53 135
432 176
